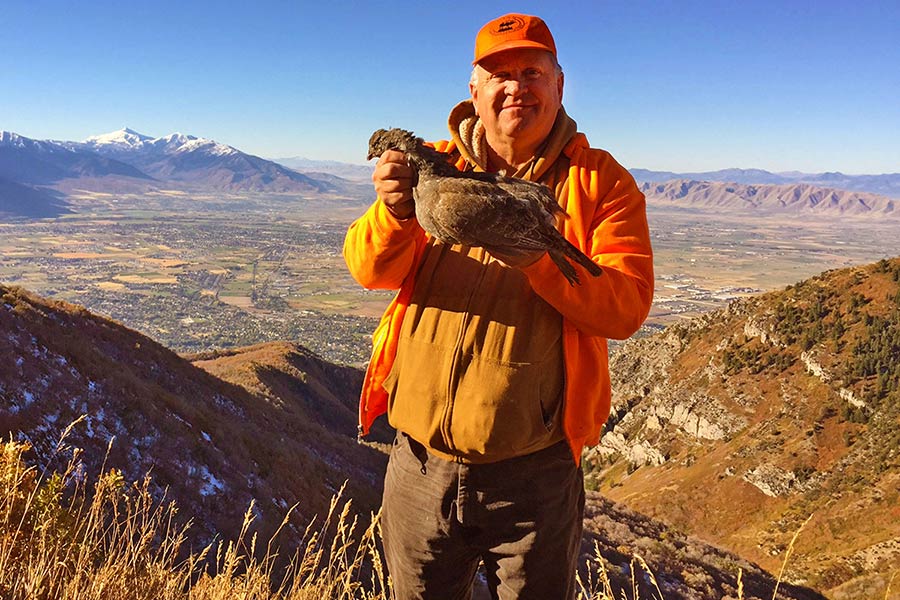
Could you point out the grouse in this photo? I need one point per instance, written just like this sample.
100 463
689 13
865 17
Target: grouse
504 214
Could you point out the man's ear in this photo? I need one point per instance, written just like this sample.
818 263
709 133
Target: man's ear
560 81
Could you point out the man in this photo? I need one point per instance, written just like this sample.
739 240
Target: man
493 369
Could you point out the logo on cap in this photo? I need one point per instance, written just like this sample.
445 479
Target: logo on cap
510 24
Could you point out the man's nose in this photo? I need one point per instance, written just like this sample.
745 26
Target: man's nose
514 87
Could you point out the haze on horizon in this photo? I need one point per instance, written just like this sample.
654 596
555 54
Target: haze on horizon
780 86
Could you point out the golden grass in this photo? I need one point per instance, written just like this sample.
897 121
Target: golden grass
61 540
787 554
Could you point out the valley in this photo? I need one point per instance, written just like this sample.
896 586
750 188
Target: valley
703 260
200 276
213 270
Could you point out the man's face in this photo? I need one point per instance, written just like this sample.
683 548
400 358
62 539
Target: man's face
517 94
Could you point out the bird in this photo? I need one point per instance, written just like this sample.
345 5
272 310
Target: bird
506 216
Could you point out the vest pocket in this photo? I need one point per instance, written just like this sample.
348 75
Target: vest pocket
505 409
485 410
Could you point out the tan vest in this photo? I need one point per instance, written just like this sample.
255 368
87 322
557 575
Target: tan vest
479 372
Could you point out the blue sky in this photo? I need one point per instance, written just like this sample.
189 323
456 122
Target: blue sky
682 86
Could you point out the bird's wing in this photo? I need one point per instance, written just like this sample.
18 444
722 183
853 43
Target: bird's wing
485 214
536 193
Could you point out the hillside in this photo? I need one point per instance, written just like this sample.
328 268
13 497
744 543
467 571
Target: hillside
798 199
213 446
271 422
22 201
286 373
737 426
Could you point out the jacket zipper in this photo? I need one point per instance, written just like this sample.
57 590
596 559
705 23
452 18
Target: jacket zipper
447 420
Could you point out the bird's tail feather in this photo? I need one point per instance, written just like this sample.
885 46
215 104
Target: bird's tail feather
582 259
565 267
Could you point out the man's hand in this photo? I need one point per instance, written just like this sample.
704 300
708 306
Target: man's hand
393 178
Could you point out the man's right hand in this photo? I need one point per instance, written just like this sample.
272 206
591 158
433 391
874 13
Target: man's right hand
393 179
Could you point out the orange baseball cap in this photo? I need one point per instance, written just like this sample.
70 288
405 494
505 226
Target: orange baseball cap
513 31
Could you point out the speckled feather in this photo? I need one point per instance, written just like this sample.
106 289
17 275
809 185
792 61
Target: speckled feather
505 215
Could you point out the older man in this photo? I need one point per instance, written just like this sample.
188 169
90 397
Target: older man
493 369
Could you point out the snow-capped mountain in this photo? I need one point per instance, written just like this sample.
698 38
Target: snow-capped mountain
125 137
44 162
130 142
30 170
8 139
179 142
136 162
199 161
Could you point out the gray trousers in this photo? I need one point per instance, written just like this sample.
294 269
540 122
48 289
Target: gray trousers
521 517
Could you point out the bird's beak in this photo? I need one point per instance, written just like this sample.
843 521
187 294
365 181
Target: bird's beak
370 156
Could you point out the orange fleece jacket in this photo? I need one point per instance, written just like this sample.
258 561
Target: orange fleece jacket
607 221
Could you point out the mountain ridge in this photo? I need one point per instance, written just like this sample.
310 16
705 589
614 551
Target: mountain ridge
212 445
129 160
796 198
886 184
196 160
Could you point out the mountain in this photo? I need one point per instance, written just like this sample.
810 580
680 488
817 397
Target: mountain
287 373
31 172
685 567
738 426
887 184
128 161
281 432
798 199
124 138
36 162
199 161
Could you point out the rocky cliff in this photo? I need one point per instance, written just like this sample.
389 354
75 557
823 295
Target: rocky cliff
740 425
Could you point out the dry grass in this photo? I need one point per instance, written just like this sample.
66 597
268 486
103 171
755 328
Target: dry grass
63 539
596 585
58 539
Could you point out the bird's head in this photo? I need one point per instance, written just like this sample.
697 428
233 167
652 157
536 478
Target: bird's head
392 139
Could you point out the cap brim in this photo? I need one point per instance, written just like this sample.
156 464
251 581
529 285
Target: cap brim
512 45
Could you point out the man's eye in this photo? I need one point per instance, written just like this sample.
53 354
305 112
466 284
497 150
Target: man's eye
532 73
500 76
